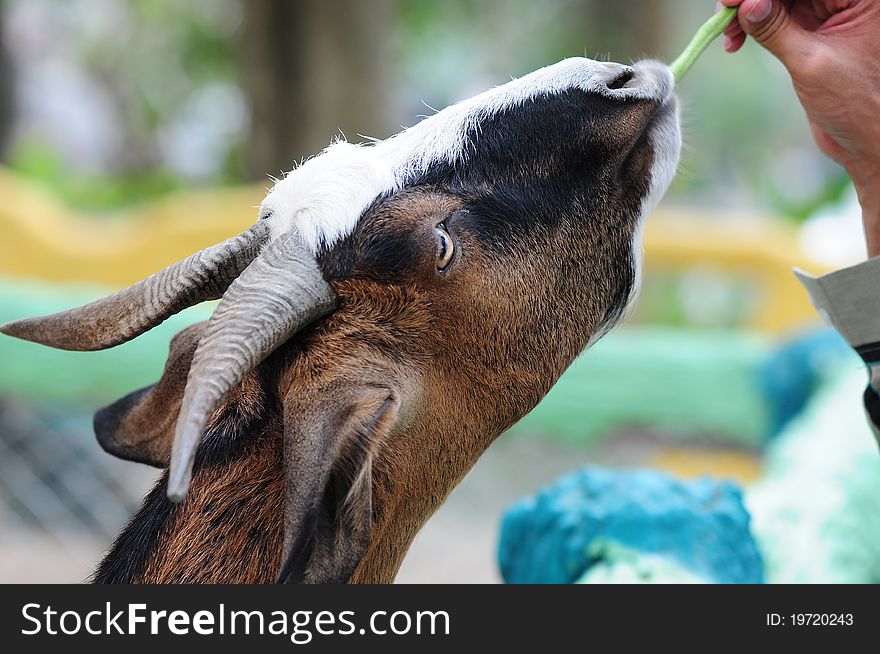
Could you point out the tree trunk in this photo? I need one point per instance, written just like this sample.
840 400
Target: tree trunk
312 68
7 98
627 31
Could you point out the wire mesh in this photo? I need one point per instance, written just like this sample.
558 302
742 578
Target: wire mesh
61 496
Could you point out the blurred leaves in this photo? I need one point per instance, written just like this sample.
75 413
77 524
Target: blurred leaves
90 192
122 100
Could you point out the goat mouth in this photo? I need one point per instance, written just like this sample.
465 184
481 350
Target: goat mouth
663 112
665 109
661 117
654 150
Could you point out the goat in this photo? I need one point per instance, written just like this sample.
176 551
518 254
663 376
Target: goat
397 306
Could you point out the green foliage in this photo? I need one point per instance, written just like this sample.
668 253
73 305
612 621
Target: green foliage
153 57
831 191
89 192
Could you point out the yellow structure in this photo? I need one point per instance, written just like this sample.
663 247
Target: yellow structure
684 462
765 253
42 240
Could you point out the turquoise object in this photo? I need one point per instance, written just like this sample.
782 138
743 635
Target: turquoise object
796 370
702 525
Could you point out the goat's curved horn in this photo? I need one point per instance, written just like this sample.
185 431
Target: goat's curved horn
121 317
281 291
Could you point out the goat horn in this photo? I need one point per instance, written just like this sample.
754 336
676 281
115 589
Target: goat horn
121 317
281 291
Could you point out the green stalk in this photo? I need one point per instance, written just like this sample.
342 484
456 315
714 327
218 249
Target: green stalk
711 30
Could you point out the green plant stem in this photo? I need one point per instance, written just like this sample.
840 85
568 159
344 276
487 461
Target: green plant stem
711 30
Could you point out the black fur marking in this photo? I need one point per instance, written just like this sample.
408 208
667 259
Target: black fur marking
560 164
226 440
130 553
545 161
373 251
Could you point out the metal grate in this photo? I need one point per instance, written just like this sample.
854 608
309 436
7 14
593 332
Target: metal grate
55 479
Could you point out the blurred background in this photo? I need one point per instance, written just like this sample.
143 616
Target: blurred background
134 132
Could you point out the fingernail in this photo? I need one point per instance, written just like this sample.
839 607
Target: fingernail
728 42
759 11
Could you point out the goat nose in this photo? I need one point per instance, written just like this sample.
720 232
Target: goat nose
618 76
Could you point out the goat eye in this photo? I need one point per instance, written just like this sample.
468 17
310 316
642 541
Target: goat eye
445 247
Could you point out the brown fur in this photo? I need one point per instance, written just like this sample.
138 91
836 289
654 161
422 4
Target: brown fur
438 368
405 385
229 530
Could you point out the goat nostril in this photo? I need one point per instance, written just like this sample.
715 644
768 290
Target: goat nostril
621 80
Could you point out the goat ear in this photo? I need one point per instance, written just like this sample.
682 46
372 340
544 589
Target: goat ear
140 426
329 447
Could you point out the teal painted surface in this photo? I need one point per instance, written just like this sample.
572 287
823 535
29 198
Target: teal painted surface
680 381
557 535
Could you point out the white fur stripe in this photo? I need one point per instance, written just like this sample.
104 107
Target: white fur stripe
325 196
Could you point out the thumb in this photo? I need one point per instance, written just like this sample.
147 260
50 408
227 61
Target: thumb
770 24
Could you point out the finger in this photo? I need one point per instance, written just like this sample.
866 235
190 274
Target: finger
734 43
733 30
734 37
769 23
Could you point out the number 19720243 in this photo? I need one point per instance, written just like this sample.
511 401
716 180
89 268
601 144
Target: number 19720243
810 620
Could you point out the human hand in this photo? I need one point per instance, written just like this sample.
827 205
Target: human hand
831 49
